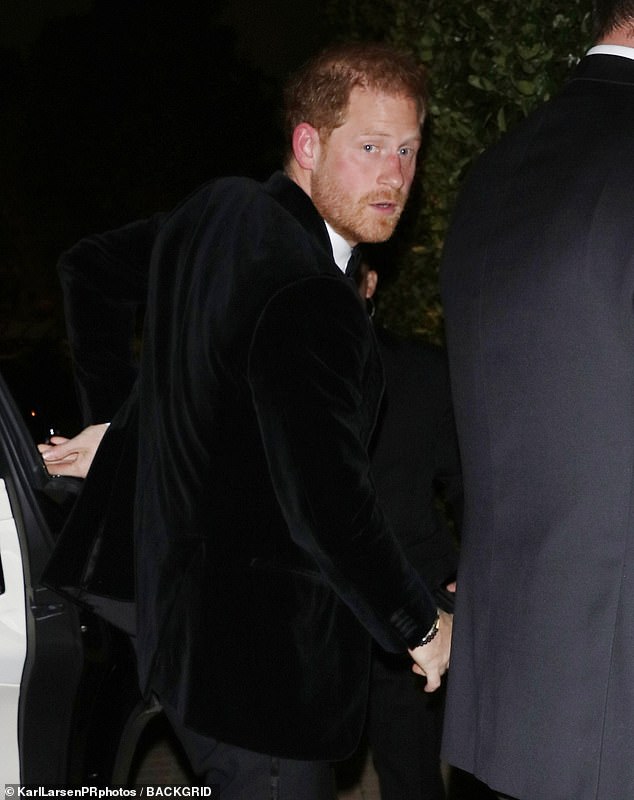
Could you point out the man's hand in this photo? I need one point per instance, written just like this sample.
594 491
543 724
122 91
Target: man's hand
432 659
73 456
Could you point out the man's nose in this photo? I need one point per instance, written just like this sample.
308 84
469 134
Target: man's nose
392 172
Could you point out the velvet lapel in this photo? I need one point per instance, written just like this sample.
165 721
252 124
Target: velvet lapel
289 195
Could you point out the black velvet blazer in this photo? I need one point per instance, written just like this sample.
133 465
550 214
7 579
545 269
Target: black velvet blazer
263 560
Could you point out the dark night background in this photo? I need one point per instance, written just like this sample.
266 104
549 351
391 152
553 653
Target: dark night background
111 110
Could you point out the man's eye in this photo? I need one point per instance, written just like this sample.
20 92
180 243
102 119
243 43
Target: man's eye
370 148
406 151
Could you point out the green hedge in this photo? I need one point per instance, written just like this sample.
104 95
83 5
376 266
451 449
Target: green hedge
489 65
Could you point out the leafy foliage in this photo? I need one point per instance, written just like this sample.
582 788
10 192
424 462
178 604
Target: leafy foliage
490 64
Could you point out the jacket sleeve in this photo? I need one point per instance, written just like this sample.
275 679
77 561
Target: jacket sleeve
308 363
104 281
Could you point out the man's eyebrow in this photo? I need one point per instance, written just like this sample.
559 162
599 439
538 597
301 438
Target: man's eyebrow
384 134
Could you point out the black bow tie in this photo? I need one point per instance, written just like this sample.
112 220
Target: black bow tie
353 262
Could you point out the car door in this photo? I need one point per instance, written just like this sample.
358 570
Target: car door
12 638
70 708
41 658
71 713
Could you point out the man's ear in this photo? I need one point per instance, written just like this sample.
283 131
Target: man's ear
306 145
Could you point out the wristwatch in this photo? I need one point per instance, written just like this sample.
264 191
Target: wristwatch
431 633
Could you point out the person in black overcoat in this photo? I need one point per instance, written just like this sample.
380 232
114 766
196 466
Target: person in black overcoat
264 564
538 291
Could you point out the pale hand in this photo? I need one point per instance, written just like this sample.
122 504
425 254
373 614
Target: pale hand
72 456
432 659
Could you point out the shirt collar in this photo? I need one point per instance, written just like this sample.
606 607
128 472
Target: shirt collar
611 50
340 248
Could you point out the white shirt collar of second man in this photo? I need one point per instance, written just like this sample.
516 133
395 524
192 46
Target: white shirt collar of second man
611 50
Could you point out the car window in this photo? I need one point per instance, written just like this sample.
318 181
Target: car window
41 384
29 485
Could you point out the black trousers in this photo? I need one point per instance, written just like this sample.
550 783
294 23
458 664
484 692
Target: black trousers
404 731
240 774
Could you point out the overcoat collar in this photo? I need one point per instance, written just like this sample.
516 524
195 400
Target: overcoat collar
611 69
